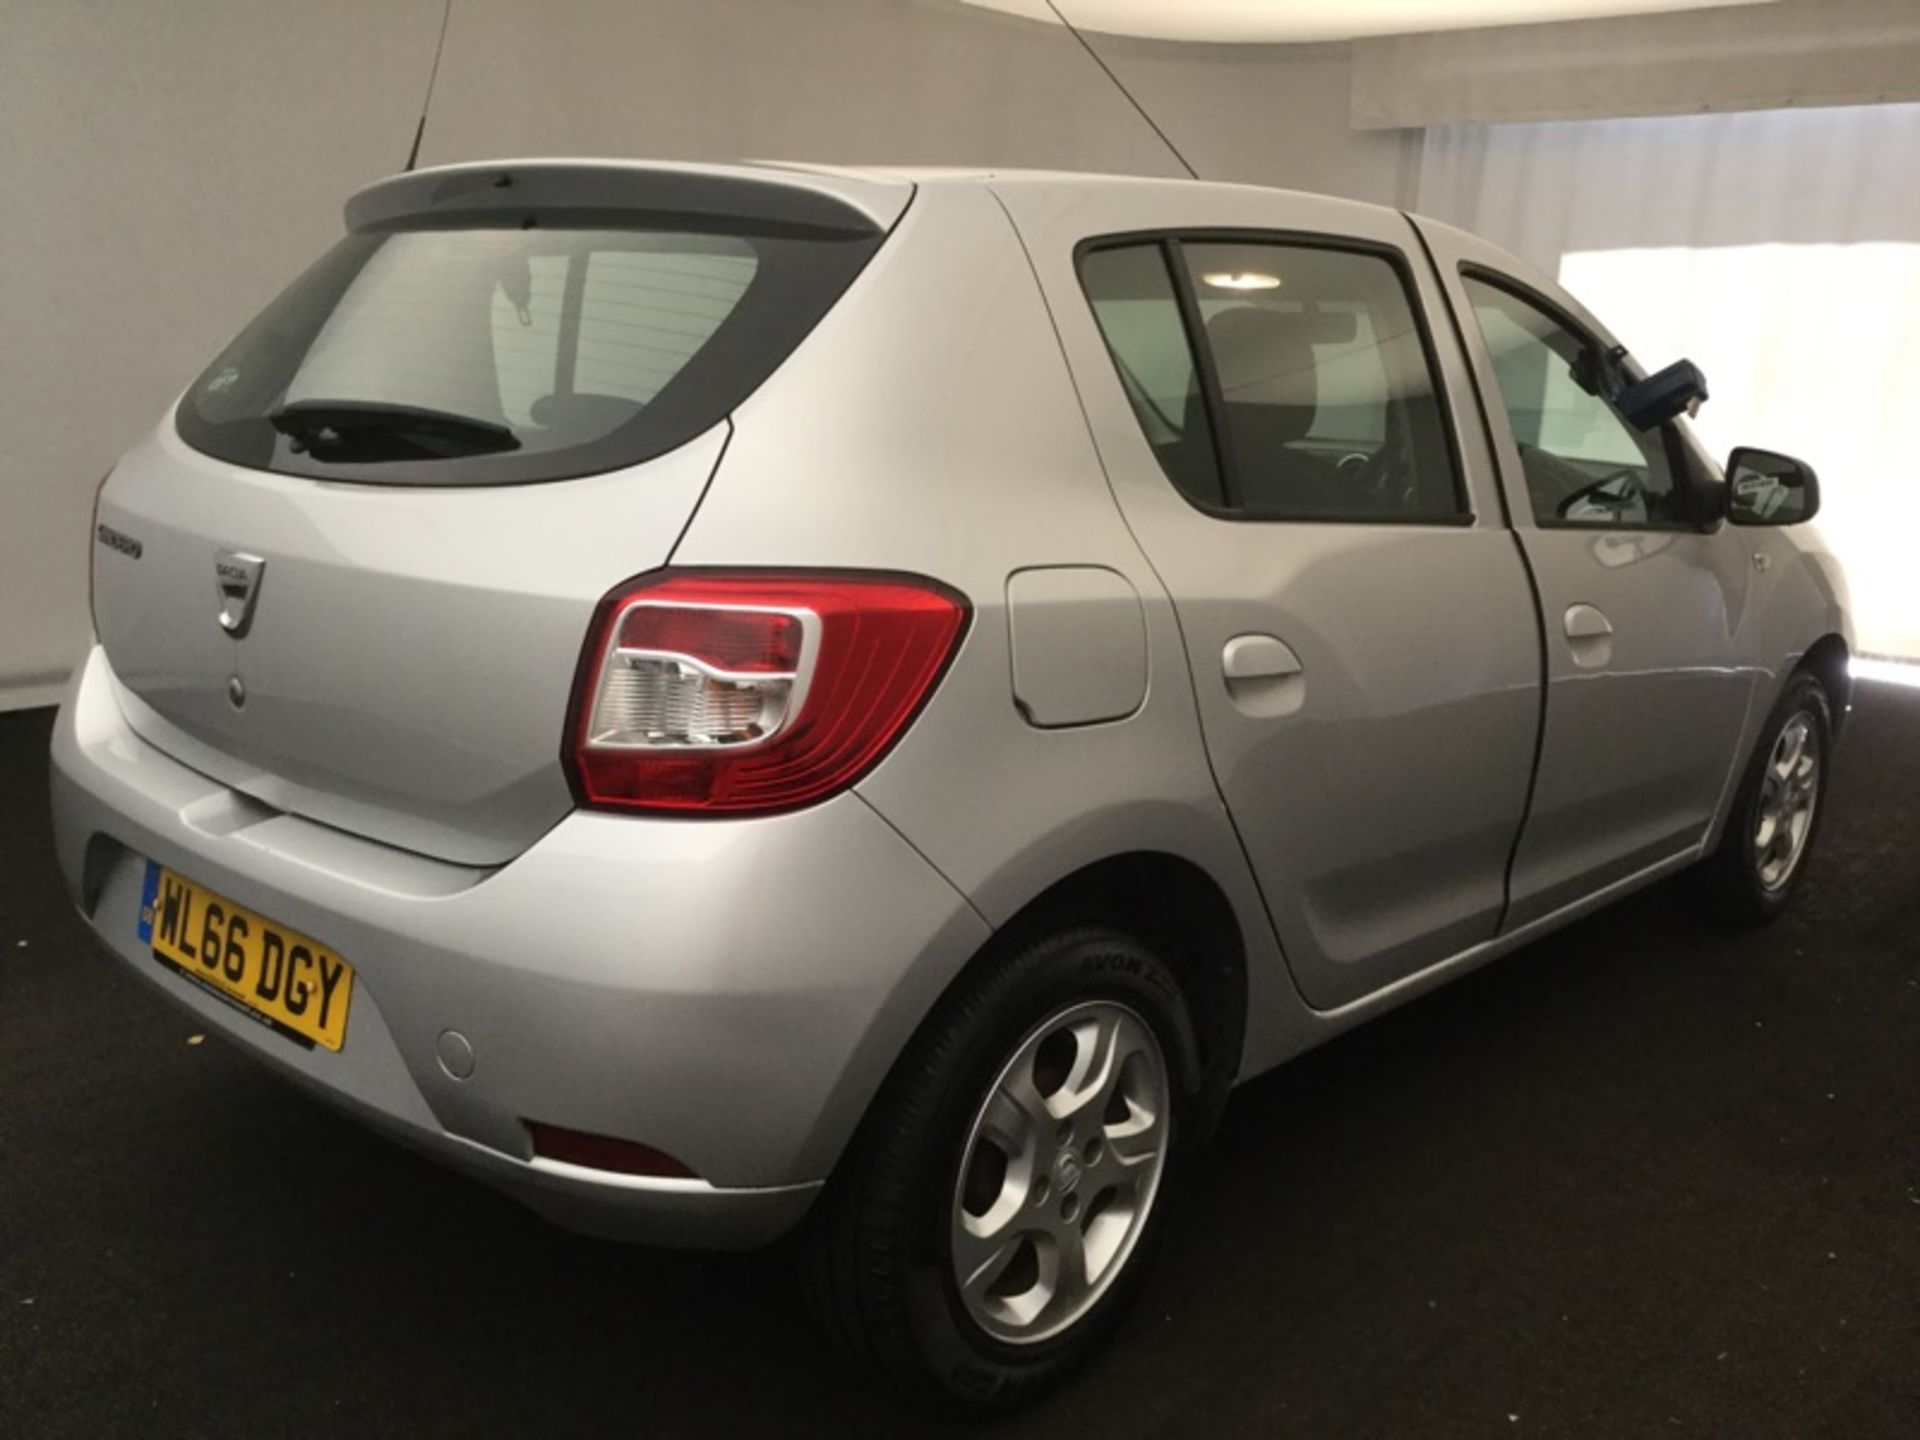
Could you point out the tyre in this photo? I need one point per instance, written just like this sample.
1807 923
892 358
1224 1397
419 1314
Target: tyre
1752 874
1001 1199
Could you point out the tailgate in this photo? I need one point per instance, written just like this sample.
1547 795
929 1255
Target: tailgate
411 653
352 574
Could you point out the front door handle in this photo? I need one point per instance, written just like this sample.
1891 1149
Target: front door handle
1259 657
1584 622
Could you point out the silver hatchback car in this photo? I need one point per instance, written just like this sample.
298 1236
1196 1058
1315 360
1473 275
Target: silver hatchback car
713 698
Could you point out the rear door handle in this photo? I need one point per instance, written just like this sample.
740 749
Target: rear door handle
1258 657
1584 622
1265 679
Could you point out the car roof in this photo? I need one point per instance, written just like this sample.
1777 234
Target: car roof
999 175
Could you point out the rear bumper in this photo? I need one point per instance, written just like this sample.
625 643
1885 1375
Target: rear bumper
731 993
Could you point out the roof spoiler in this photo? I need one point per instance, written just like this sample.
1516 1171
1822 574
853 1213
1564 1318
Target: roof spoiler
579 191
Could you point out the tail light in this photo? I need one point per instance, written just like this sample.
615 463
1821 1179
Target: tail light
732 693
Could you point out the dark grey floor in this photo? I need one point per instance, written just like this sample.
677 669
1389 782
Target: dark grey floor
1646 1179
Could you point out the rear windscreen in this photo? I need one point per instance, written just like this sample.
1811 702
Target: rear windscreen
483 356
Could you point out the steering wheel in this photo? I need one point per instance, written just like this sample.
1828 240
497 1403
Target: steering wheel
1595 493
1383 477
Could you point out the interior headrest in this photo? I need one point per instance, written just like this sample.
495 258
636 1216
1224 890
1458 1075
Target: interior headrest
1265 357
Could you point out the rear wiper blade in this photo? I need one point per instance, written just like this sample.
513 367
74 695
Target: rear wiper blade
370 430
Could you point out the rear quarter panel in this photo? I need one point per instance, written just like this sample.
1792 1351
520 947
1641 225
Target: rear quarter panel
930 425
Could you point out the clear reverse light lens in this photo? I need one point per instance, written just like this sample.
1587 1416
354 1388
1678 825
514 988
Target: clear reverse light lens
659 700
694 676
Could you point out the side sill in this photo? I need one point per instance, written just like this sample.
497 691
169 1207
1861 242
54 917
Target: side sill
1439 972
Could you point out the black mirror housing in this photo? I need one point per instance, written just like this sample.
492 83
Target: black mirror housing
1680 389
1767 488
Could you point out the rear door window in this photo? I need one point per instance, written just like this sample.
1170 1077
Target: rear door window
1279 381
507 355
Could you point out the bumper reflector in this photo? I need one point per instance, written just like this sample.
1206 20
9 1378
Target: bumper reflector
605 1152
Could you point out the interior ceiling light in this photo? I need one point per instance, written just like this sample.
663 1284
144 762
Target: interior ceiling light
1241 280
1296 21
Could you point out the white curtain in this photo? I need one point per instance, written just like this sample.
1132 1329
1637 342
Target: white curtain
1687 61
1778 249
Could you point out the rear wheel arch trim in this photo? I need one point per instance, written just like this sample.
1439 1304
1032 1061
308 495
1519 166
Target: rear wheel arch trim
1180 911
1173 906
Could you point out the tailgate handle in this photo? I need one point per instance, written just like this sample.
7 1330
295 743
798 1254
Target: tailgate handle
1259 657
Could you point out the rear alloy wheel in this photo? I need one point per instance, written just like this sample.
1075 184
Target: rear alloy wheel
999 1201
1776 815
1060 1172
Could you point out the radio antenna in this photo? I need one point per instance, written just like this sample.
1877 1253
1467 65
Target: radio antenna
1139 109
420 130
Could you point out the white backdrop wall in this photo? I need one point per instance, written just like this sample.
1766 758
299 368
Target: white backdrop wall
1684 62
167 167
1778 249
164 169
904 81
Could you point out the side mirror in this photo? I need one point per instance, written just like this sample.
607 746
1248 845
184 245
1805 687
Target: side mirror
1680 389
1764 488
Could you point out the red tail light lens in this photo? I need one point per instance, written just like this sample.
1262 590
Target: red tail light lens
741 693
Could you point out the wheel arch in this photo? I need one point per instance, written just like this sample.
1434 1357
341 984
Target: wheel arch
1182 913
1169 903
1829 661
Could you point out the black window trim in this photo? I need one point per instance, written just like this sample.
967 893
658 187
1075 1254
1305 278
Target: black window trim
1169 243
1212 397
1670 439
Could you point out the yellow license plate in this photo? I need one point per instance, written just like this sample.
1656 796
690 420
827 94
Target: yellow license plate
287 981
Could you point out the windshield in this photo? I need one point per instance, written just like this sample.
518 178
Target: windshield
505 355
